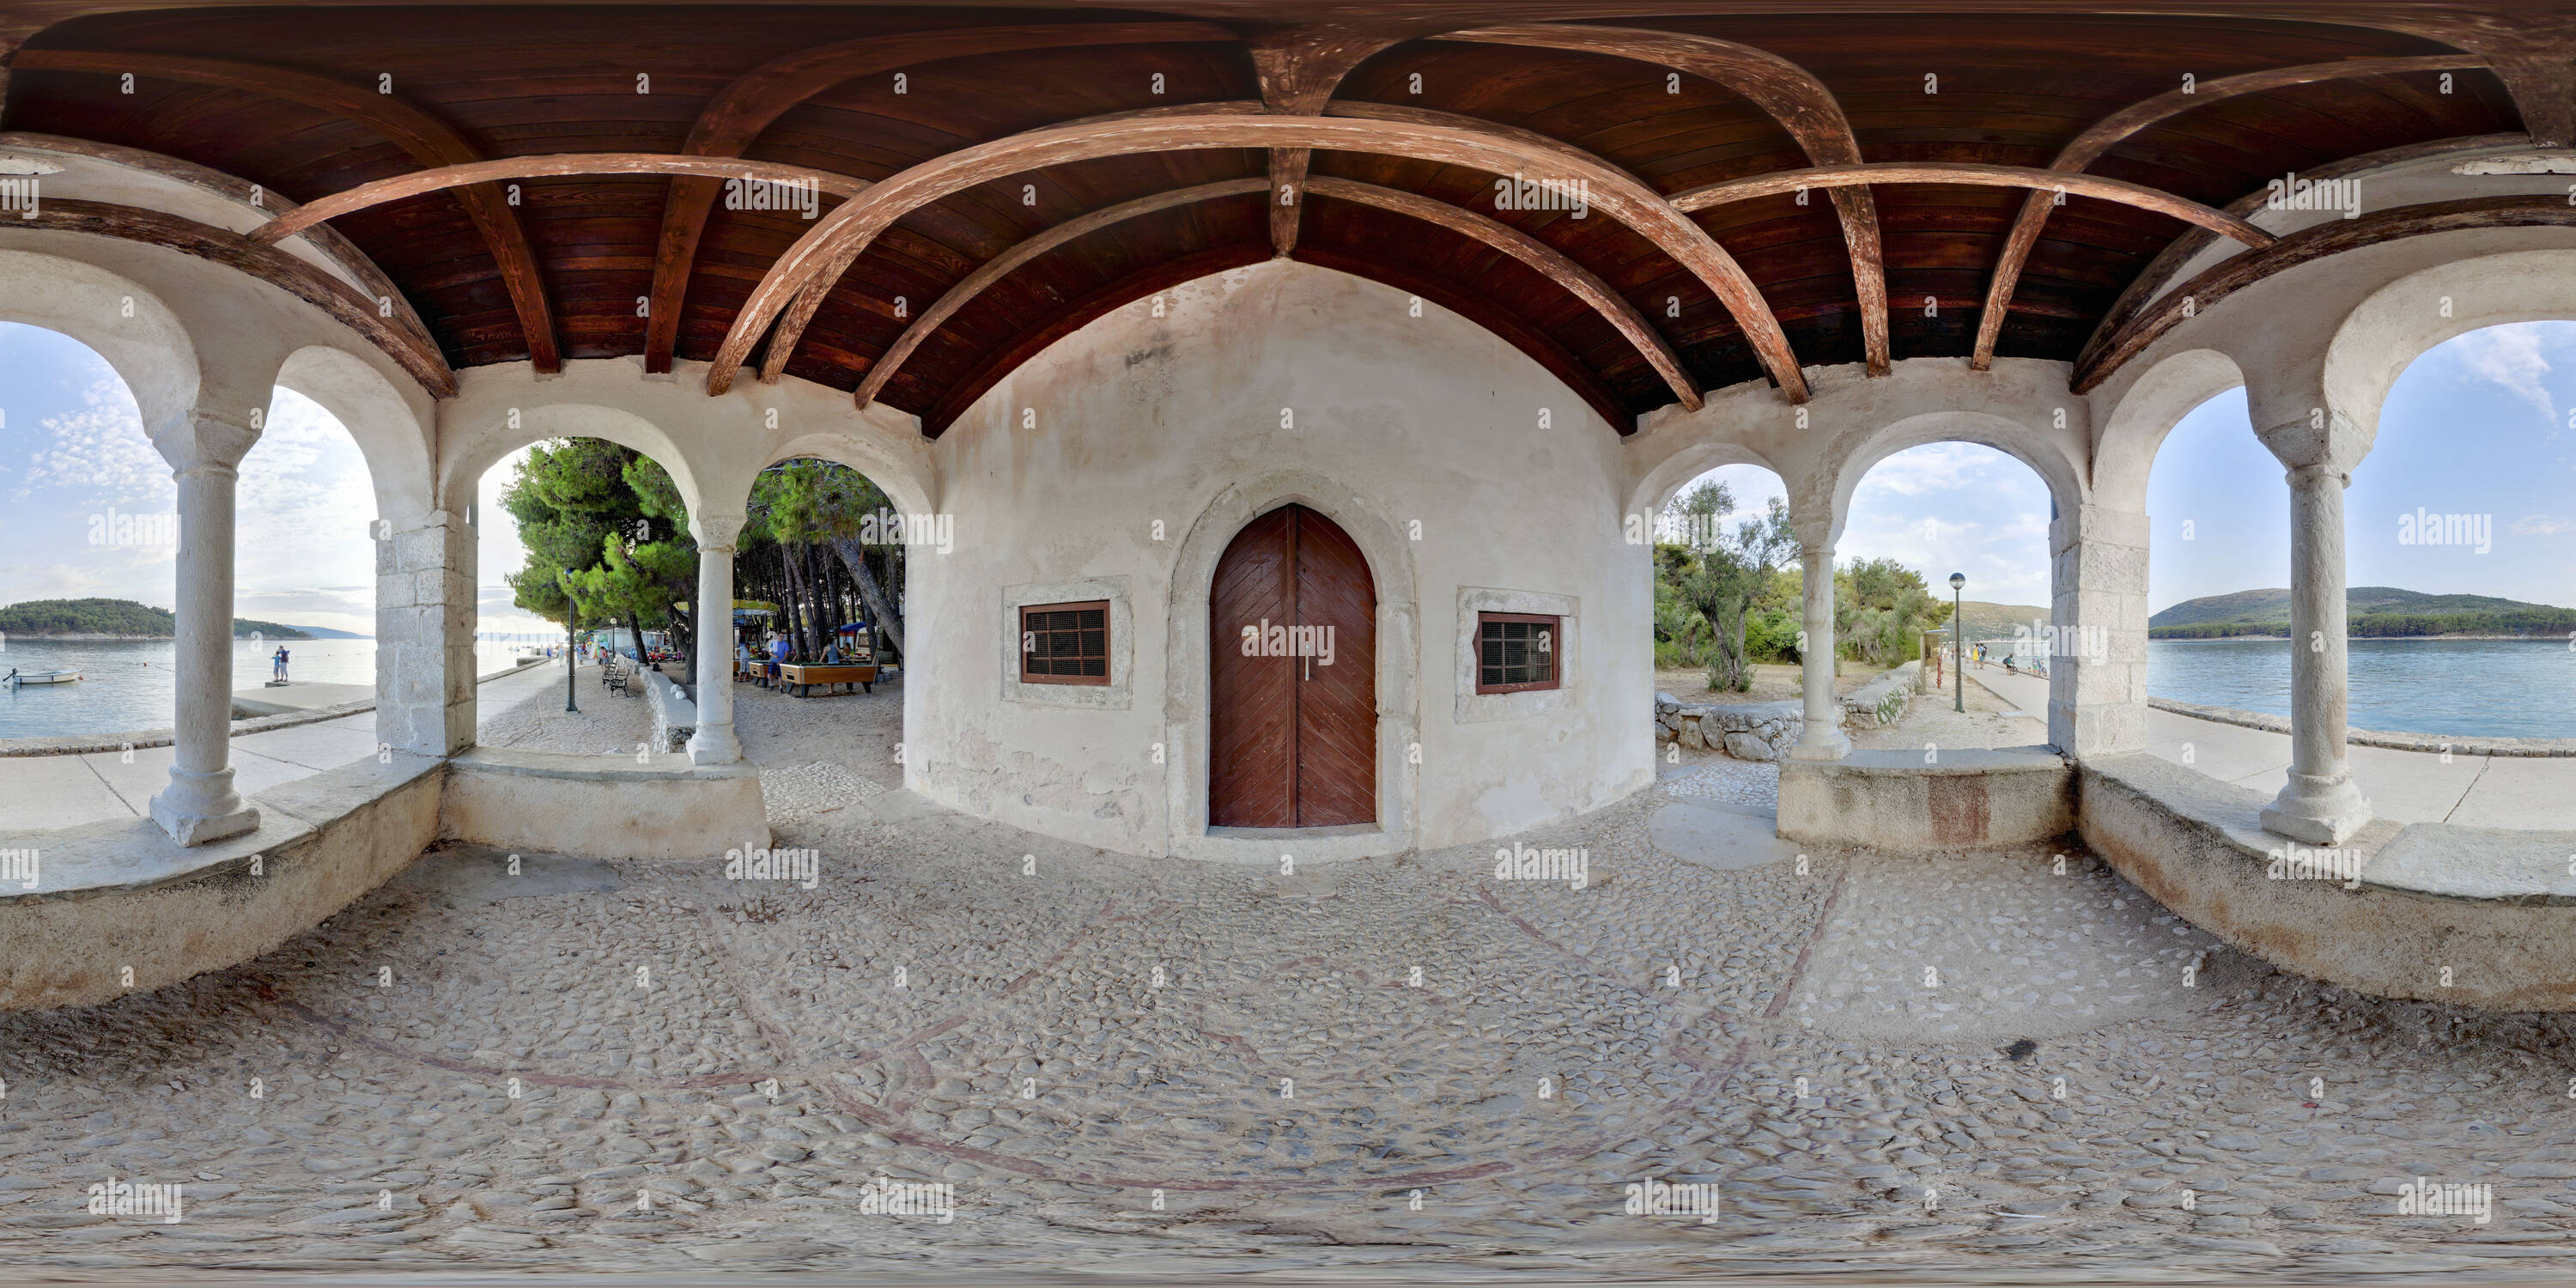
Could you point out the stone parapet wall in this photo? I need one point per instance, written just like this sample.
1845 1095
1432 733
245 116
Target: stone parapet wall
675 718
1766 730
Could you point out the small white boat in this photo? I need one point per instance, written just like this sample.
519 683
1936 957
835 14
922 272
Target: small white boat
18 677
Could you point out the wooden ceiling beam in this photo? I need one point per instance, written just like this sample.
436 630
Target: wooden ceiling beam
429 140
2088 147
417 354
832 245
2047 182
1578 281
1299 68
2333 237
1519 245
1013 259
2168 265
1790 94
558 165
739 112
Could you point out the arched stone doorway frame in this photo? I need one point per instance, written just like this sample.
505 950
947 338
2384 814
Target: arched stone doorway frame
1186 682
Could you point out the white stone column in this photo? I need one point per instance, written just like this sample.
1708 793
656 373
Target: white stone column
2320 804
1822 736
425 615
200 804
714 742
2097 665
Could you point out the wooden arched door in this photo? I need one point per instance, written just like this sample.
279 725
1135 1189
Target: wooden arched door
1292 653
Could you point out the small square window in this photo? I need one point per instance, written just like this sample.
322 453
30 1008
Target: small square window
1515 652
1065 643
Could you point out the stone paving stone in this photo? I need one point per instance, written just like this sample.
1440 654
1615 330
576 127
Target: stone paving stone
630 1067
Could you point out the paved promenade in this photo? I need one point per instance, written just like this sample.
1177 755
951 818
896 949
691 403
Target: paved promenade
2537 793
65 791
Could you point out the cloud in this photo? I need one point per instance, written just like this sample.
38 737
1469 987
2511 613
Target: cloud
2509 358
101 451
2542 525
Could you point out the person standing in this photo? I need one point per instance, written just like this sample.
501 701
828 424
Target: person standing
280 660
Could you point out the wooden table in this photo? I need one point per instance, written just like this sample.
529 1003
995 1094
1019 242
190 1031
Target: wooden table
804 676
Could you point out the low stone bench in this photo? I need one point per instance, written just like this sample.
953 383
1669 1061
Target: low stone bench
1966 799
675 717
111 908
2437 912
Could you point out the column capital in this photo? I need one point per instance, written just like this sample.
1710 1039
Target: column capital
716 532
208 439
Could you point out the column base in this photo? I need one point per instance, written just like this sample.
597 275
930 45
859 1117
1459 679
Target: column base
2319 811
1834 745
194 829
714 745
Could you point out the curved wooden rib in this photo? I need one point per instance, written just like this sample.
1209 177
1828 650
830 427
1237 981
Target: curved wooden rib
828 248
430 141
2169 263
1988 176
1613 307
418 355
546 167
2105 134
740 111
2307 245
1010 261
1789 93
1519 245
339 250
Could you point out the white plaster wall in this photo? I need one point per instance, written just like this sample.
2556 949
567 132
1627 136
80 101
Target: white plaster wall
1059 476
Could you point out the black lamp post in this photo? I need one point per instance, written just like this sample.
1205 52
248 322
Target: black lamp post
1959 640
572 643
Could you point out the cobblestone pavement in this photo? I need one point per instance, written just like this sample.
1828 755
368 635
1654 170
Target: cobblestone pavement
1965 1065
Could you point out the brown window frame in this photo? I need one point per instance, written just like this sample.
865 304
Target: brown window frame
1555 649
1022 636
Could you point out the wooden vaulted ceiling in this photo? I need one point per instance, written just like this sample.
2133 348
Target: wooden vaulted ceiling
1629 304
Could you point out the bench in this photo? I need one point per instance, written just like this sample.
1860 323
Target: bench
804 676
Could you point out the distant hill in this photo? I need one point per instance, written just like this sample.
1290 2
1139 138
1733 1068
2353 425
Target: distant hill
2371 611
1996 621
117 619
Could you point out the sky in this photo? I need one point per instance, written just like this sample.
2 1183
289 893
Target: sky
2479 426
2484 426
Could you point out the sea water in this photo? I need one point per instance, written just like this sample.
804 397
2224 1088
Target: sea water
2519 688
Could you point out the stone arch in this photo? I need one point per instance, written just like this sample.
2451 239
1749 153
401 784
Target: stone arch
2396 324
899 479
1186 700
495 436
2124 455
391 436
1669 476
2066 491
140 337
